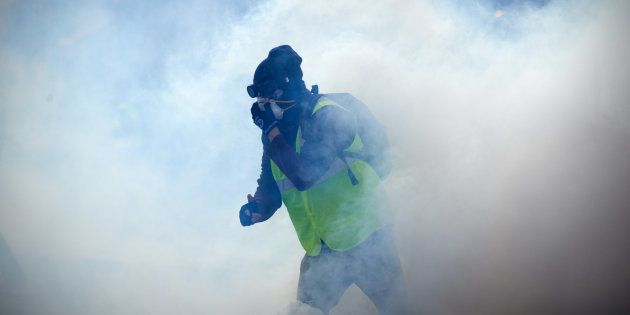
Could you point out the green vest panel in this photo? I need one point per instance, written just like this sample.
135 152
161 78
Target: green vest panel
334 210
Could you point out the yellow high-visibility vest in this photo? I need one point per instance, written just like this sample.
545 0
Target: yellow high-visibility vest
334 210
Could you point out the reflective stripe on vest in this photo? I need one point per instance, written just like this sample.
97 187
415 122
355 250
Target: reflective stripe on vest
333 210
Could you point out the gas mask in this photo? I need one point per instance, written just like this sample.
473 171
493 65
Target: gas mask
277 107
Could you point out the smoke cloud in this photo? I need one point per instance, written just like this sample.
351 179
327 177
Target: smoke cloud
126 150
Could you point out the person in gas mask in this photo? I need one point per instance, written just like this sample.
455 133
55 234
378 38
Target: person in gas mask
336 203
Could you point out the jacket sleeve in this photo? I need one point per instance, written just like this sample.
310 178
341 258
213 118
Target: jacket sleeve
267 195
329 131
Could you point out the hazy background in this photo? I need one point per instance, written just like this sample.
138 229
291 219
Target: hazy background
127 148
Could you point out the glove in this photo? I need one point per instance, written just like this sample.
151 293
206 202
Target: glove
249 213
264 119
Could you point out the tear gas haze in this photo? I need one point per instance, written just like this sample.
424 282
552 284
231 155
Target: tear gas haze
127 148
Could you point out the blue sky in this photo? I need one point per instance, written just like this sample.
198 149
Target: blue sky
126 146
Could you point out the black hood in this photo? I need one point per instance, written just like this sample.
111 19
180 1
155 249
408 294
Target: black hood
280 70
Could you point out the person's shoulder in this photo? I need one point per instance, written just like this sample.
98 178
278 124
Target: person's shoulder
331 109
331 118
320 116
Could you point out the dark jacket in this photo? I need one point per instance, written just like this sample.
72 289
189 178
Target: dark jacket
326 134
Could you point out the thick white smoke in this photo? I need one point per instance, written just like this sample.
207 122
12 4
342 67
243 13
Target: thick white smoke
126 149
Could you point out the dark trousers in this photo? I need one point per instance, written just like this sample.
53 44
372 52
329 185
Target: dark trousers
372 265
